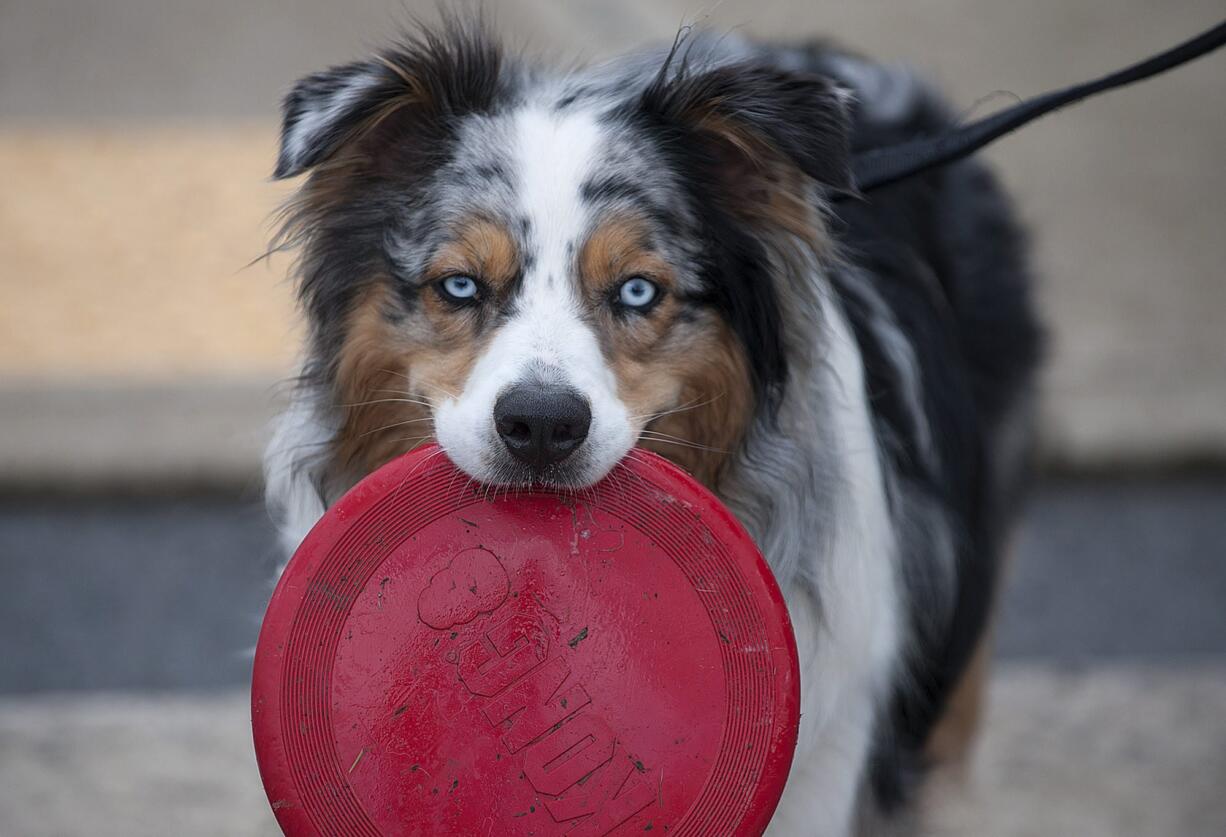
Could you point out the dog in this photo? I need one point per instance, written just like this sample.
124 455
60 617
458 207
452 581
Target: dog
542 269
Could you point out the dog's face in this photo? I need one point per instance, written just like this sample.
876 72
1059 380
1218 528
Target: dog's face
556 297
541 274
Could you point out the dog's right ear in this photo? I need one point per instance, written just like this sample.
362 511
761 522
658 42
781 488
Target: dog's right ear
324 109
437 74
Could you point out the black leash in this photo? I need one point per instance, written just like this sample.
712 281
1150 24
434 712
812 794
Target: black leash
882 166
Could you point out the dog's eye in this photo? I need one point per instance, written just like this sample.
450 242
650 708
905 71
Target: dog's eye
637 293
459 288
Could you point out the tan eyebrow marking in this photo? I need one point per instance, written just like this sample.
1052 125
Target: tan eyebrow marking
480 247
618 249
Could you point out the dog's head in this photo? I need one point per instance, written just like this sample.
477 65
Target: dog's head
541 271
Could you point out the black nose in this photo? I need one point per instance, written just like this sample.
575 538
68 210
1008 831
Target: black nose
542 425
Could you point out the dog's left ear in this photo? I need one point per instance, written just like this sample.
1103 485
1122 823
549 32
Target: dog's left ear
749 113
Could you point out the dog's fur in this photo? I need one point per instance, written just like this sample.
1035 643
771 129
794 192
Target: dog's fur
851 377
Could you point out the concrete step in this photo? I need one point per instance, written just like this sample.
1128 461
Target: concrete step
1107 751
167 593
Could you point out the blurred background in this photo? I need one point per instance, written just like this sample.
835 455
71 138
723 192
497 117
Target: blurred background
140 355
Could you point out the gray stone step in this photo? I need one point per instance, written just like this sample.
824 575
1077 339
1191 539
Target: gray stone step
147 593
1107 751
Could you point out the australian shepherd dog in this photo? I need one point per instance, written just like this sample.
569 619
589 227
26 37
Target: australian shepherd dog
542 269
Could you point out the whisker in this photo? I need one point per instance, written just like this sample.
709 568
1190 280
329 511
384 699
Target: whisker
666 439
416 440
443 390
633 453
436 453
395 424
685 444
451 482
401 392
417 467
689 405
385 401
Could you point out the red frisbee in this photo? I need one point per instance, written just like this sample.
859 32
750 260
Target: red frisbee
439 658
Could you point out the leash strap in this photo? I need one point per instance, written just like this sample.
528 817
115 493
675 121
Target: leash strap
883 166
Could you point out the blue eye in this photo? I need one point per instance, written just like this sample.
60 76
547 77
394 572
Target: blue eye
459 288
637 292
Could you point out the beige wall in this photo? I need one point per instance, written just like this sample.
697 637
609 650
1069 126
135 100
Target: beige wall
136 137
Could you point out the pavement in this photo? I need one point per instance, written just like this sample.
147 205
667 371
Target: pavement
126 635
1124 751
156 594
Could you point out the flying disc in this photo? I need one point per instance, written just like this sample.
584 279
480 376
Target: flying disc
440 657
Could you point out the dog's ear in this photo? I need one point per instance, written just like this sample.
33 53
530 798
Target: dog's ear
325 108
437 75
748 114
